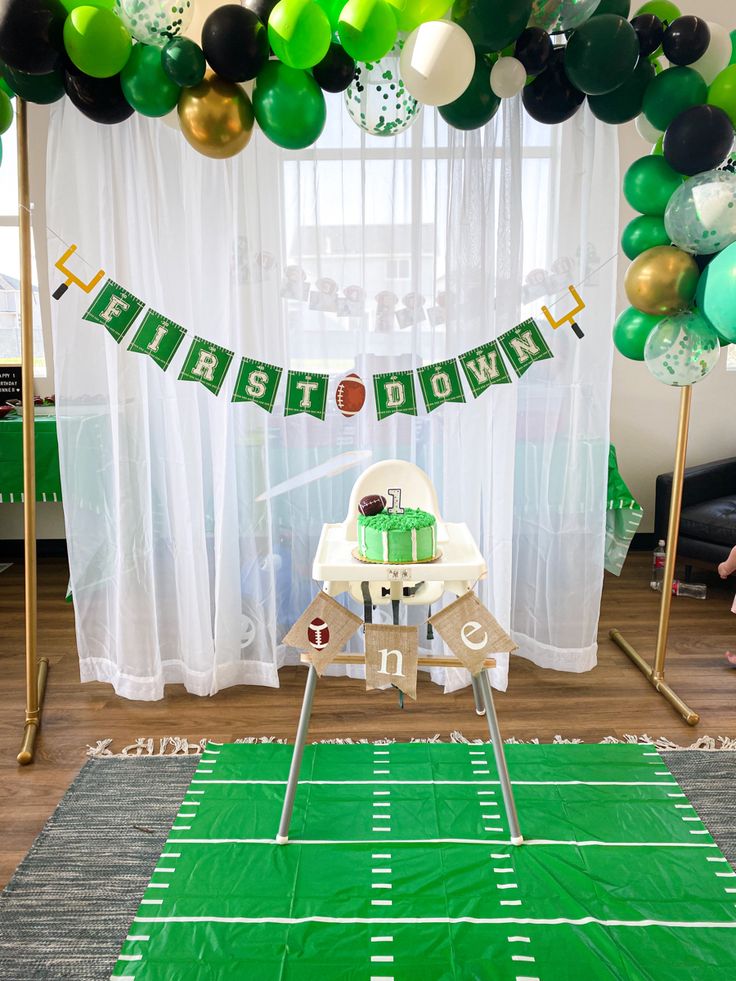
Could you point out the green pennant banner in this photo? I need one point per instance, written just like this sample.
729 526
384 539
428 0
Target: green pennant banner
483 367
206 363
394 391
440 383
306 391
257 382
157 337
115 308
523 345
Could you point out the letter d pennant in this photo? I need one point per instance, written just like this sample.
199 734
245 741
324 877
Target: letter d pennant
394 391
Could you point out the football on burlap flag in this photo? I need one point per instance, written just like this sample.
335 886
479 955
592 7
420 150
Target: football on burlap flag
322 630
471 632
391 657
350 395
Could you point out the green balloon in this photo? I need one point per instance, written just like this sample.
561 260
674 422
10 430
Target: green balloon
333 9
625 102
492 24
649 183
367 29
299 32
4 87
673 91
658 148
478 103
411 13
183 61
733 47
644 232
602 54
145 84
6 113
631 331
70 5
666 11
96 41
289 106
622 8
716 295
41 89
722 92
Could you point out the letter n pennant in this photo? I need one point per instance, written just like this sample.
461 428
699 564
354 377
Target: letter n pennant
471 632
115 308
523 345
206 363
157 337
391 657
394 391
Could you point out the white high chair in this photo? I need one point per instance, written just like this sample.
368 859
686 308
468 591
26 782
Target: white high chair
457 569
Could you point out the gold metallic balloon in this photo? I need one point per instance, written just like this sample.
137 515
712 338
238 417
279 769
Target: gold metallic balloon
662 280
216 117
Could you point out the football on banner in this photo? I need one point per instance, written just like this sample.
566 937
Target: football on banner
373 504
318 633
350 394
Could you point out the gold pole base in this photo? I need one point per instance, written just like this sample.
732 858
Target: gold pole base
33 723
658 683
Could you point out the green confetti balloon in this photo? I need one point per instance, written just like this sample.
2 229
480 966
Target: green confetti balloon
289 106
299 33
682 350
378 101
96 41
673 91
145 84
155 21
701 214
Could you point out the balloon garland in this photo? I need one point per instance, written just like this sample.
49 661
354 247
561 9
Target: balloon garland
674 74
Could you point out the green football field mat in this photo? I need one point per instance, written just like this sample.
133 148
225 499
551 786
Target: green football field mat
399 868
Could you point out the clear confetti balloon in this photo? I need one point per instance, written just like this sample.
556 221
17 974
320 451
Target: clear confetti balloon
554 16
682 350
155 21
377 100
701 215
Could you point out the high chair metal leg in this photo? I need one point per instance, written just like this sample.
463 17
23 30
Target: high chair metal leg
296 760
477 697
503 773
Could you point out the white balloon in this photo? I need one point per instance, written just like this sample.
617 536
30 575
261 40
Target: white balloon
718 55
437 62
508 77
646 131
202 10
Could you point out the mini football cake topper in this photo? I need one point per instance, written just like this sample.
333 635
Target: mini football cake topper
372 504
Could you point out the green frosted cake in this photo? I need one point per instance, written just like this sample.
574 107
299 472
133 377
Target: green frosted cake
407 537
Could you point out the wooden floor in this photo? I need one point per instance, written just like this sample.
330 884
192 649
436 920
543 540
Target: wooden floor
611 700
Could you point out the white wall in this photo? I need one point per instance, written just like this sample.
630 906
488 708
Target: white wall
644 412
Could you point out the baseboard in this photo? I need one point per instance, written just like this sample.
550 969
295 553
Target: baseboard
11 550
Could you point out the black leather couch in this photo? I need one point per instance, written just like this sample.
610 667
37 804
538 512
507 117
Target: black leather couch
708 521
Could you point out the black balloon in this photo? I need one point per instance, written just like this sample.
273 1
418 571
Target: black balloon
703 261
699 139
650 31
336 70
41 89
235 43
686 40
534 50
551 97
261 8
31 34
99 99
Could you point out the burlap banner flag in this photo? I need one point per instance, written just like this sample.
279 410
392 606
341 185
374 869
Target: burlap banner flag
323 630
440 383
206 363
483 367
257 382
114 307
391 657
471 632
157 337
306 391
523 345
394 391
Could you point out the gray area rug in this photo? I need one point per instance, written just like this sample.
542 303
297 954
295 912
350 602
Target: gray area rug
67 909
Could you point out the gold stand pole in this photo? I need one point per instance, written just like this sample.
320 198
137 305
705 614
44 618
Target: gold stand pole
36 671
655 675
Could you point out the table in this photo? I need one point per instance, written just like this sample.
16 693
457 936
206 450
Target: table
48 479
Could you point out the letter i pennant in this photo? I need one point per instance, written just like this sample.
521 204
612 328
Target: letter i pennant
157 337
114 307
394 391
207 363
306 391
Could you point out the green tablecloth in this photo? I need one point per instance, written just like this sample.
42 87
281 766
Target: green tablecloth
48 481
623 517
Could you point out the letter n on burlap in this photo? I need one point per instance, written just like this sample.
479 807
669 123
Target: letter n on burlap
323 630
391 655
471 632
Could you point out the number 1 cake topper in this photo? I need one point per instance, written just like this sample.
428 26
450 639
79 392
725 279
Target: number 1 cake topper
395 494
569 318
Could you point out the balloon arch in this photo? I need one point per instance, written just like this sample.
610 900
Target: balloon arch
674 74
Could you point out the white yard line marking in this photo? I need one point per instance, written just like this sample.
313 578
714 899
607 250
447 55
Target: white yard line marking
519 940
381 793
380 752
185 816
140 937
381 871
726 875
510 902
163 868
130 957
170 855
152 902
497 830
381 902
690 818
382 977
713 858
181 827
380 855
501 871
450 841
378 773
450 783
381 885
381 830
507 885
729 890
196 791
675 795
211 781
684 807
486 793
191 803
523 957
157 885
704 832
525 977
381 803
382 940
382 959
494 855
482 921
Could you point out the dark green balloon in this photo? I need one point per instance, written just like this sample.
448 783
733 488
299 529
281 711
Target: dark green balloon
289 106
602 54
478 103
492 24
183 61
4 87
145 84
631 331
649 183
41 89
625 102
622 8
644 232
672 92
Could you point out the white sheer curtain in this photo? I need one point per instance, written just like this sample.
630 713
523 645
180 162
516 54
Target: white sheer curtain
192 521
